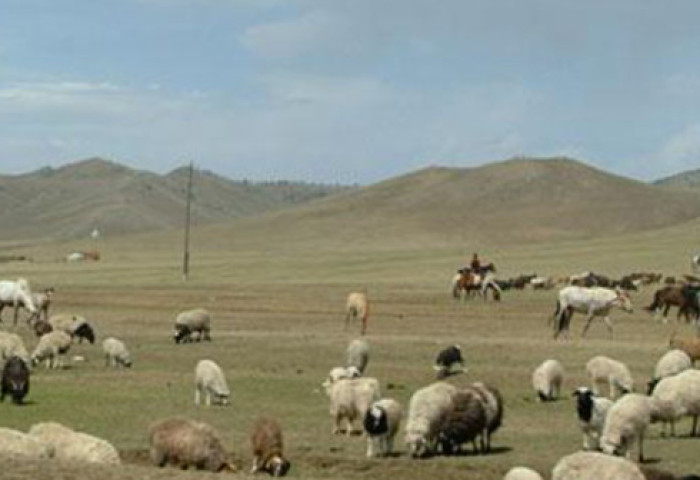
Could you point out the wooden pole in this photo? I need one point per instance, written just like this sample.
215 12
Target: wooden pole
186 256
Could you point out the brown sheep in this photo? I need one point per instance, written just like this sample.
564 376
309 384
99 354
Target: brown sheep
690 345
357 306
267 445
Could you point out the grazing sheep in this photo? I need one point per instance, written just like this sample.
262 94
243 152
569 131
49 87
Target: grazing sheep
50 347
186 443
11 345
427 410
493 406
690 345
595 466
591 411
672 362
116 353
42 327
70 445
547 380
210 380
73 325
350 399
357 306
446 359
626 422
604 370
381 423
677 396
267 445
191 321
15 380
16 444
522 473
357 355
464 422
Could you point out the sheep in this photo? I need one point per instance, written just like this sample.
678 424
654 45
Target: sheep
42 327
49 348
16 444
339 373
605 370
116 353
15 380
595 466
357 355
427 411
210 380
11 345
522 473
672 362
446 359
267 445
493 406
591 411
547 380
381 422
357 306
70 445
690 345
677 396
626 422
191 321
465 421
349 400
73 325
184 443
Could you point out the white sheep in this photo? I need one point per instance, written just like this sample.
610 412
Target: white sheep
52 347
210 380
677 396
625 424
339 373
349 400
615 374
672 362
595 466
11 345
547 380
427 411
357 355
16 444
357 306
70 445
116 353
522 473
191 321
493 406
591 411
381 423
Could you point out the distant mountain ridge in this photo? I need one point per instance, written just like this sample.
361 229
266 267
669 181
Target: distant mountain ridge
688 179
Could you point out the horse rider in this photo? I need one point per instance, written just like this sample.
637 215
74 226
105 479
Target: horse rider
475 264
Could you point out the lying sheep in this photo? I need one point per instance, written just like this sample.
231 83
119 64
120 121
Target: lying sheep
464 422
547 380
677 396
448 358
427 410
690 345
493 406
210 380
186 443
267 445
626 422
350 399
591 411
595 466
381 424
357 355
522 473
604 370
116 353
672 362
192 321
70 445
15 380
15 444
51 347
11 345
357 306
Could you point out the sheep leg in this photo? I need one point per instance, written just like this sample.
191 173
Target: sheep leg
370 447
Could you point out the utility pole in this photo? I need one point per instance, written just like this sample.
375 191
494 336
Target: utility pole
186 256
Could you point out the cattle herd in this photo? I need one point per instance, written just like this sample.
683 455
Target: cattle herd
440 419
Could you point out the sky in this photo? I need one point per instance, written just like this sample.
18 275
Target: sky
349 91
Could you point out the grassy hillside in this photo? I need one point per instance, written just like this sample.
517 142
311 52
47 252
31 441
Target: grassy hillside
689 179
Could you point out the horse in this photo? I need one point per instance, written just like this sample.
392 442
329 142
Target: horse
684 297
466 282
17 294
593 301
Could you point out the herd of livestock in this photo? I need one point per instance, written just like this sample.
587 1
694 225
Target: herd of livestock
440 418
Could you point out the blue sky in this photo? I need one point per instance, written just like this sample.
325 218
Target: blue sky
349 90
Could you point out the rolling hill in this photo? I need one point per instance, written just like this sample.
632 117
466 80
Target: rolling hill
688 179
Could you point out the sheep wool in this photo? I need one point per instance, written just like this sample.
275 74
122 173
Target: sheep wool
350 399
615 374
381 423
11 345
267 445
591 411
493 406
595 466
116 353
76 446
192 321
672 362
427 410
677 396
464 422
50 347
14 443
625 424
522 473
547 380
357 355
209 380
690 345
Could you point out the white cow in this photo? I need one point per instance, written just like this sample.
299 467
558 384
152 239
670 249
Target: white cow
17 294
593 301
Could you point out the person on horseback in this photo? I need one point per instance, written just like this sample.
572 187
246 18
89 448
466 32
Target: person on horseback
475 264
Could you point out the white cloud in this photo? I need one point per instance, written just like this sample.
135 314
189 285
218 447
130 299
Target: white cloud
682 150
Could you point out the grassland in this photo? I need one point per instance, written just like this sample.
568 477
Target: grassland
278 311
